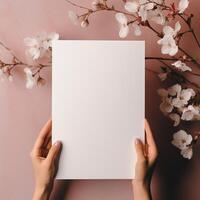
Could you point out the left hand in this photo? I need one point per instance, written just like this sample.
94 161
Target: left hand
45 162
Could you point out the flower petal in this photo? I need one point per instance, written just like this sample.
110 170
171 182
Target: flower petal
131 7
124 30
183 4
137 30
121 18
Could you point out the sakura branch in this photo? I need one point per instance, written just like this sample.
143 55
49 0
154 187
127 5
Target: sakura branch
180 101
37 48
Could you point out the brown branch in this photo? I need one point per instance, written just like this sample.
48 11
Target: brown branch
150 70
105 7
191 29
160 58
183 77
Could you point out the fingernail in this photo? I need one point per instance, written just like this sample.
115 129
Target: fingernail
136 141
57 143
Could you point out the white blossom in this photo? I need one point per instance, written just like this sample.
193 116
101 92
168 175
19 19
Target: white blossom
183 97
175 104
34 47
181 139
187 153
132 6
168 42
176 118
47 39
137 30
39 45
175 90
145 7
122 20
190 113
183 4
166 106
84 23
181 66
156 15
73 17
146 11
30 79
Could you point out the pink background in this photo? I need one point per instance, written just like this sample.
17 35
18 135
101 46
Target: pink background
23 112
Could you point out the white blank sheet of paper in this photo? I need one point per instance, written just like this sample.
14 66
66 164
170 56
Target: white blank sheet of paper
97 106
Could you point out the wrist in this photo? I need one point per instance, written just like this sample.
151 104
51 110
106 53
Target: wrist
41 193
141 190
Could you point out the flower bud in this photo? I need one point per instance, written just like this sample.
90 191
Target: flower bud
84 23
41 81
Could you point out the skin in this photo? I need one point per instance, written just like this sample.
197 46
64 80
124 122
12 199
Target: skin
45 159
147 154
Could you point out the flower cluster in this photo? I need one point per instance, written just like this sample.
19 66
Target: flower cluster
37 47
181 101
183 141
40 45
178 104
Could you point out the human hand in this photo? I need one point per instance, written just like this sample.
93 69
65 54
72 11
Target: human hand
45 159
146 158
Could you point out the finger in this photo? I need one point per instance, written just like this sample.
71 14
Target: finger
45 131
151 145
47 143
54 152
140 167
139 148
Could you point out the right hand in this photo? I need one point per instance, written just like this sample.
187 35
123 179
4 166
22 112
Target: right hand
147 154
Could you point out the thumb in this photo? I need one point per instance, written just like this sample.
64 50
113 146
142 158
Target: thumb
54 152
140 167
139 147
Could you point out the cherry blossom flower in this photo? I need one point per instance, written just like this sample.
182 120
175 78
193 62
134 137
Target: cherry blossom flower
175 90
181 66
146 11
183 97
40 44
132 6
144 8
168 42
73 17
190 113
183 4
187 153
123 24
176 118
166 105
34 47
30 79
181 139
175 104
47 39
84 23
137 30
156 15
